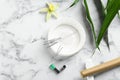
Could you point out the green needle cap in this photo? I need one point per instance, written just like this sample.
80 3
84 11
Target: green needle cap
52 66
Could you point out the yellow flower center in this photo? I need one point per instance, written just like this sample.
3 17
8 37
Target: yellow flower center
51 7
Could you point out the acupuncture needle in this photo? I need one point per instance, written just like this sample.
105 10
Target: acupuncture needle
55 41
60 38
52 44
51 41
59 50
67 36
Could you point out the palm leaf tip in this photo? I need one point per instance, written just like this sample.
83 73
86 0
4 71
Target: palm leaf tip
104 13
89 19
74 3
112 11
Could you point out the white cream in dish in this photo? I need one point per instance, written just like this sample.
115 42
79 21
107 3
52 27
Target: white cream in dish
70 38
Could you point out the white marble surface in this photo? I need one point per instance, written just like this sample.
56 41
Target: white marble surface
23 55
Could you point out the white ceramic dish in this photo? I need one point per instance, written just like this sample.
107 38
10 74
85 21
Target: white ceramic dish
70 37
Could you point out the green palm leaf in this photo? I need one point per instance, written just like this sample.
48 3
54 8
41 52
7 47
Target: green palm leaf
74 3
104 13
119 13
112 10
89 19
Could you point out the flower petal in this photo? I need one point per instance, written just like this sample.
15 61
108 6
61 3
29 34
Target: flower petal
57 6
55 14
54 5
44 10
48 4
48 16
